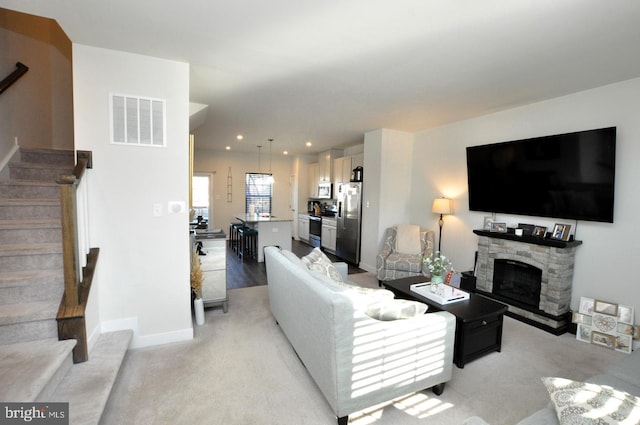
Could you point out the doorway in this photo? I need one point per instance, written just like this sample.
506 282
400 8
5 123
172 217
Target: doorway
201 197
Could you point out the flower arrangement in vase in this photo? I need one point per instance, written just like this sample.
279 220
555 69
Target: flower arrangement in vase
197 277
438 265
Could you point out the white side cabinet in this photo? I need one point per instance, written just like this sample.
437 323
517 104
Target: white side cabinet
303 227
214 269
328 236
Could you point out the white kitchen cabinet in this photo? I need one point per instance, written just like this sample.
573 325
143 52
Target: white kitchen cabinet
303 227
328 236
325 165
342 170
214 269
313 180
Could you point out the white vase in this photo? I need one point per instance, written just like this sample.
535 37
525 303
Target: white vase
198 307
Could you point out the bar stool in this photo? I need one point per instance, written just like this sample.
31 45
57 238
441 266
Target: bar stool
233 236
248 242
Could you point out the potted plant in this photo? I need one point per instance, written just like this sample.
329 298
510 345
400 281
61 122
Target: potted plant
438 265
197 277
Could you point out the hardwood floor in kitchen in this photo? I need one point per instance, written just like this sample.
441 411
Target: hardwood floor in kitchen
251 273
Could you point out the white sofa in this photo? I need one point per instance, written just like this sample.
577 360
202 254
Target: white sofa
356 361
624 376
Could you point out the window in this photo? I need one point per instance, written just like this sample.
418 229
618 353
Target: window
259 192
201 194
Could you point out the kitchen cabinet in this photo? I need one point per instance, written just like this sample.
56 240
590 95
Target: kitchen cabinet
313 180
328 237
342 170
303 227
214 270
325 165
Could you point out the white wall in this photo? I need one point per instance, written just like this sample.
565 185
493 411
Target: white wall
386 187
142 276
603 263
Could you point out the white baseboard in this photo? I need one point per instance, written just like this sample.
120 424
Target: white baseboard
140 341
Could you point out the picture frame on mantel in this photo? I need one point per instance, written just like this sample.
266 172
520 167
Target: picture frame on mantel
539 231
561 232
499 227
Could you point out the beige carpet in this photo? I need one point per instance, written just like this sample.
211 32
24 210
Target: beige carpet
240 369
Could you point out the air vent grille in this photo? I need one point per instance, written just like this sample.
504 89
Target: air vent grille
138 121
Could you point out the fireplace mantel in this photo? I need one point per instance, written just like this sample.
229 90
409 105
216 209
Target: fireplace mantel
529 239
556 260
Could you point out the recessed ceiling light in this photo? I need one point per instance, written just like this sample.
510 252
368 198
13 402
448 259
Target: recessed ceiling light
285 152
308 144
239 137
228 148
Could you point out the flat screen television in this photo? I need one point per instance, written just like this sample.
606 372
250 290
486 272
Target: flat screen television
568 176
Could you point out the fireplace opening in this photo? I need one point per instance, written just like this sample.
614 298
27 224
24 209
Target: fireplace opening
517 281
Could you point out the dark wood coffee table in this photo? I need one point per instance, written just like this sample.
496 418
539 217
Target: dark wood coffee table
478 320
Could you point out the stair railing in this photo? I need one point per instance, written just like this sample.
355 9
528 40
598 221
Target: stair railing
77 277
20 70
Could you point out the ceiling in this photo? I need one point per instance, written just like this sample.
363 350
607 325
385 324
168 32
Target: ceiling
328 71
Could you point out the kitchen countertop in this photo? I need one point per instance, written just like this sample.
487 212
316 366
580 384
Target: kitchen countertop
256 218
210 234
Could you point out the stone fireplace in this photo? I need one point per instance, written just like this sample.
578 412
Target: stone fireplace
533 276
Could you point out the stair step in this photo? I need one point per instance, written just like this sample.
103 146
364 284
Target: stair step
29 208
29 189
28 321
26 286
87 386
38 171
49 156
30 231
32 370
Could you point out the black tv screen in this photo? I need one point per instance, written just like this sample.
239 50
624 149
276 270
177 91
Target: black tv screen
567 176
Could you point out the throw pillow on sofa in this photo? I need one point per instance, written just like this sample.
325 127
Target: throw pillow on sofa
395 309
585 403
316 260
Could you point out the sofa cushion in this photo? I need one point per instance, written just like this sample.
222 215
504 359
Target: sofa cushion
358 293
294 259
585 403
316 260
408 239
395 309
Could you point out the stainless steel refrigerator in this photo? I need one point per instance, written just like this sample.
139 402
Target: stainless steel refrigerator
348 221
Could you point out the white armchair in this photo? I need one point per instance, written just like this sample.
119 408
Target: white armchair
393 264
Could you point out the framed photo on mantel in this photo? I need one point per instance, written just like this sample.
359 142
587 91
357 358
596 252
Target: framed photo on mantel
561 232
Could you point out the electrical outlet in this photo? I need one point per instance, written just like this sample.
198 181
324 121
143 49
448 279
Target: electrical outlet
157 210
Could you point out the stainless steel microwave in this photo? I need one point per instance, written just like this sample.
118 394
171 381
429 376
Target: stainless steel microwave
325 190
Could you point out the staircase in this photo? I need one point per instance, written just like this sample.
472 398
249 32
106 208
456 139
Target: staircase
35 365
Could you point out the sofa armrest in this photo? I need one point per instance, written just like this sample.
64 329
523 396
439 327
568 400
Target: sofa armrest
343 269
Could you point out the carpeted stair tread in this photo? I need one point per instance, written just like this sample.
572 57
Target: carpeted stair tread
28 368
29 202
30 223
49 156
28 312
14 250
87 385
26 188
30 277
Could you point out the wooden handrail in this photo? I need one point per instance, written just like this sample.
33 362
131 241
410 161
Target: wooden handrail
77 284
20 70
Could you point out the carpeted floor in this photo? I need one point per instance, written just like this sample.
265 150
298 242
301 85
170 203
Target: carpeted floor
240 369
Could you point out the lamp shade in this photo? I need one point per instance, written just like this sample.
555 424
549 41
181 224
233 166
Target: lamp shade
442 206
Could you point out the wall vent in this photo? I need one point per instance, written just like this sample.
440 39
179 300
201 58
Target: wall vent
138 121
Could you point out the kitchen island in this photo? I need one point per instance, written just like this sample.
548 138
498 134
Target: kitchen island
271 231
